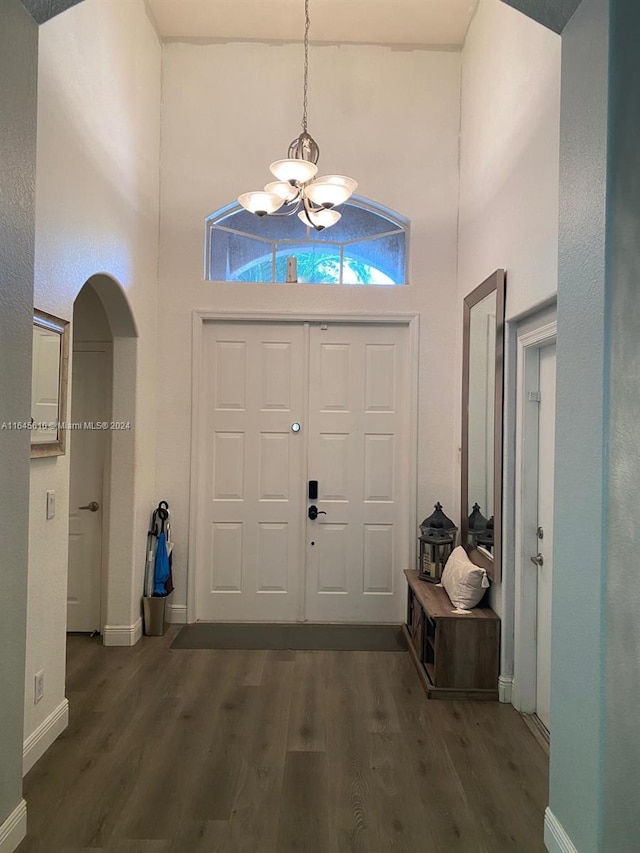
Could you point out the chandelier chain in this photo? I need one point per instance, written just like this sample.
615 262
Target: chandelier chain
297 190
306 65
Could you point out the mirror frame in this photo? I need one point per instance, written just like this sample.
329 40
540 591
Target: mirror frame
61 327
492 563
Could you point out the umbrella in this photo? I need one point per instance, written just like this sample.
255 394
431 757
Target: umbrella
158 580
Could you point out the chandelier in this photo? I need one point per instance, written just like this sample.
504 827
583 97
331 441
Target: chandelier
296 188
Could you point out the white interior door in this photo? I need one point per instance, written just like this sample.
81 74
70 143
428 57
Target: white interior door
87 448
546 449
358 450
258 556
251 515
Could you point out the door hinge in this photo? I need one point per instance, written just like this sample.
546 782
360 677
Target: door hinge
534 396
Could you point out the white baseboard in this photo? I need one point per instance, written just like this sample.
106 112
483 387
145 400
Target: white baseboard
122 635
14 828
41 739
178 614
556 839
505 688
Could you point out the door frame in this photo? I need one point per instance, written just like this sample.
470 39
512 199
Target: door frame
529 345
200 317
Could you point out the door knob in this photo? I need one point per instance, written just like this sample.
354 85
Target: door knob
313 512
94 506
538 560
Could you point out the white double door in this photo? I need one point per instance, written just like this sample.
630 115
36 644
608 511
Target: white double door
259 557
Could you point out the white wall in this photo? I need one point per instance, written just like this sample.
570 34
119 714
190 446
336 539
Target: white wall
509 171
90 323
96 211
389 118
509 160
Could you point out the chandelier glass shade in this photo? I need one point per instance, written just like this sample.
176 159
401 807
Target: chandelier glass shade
319 219
260 203
331 190
294 171
296 188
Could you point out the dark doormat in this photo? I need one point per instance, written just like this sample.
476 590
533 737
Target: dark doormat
341 638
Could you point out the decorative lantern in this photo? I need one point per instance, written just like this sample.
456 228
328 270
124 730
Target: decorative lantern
437 541
477 525
484 538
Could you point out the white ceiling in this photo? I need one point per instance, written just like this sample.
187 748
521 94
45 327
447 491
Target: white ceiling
401 22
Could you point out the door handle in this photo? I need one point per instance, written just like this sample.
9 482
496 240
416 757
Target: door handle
313 512
538 560
94 506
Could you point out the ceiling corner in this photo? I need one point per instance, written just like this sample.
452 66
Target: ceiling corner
43 10
553 14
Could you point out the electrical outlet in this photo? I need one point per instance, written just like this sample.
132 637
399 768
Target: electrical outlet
51 504
38 687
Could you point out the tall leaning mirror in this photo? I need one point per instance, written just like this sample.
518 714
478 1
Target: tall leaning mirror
482 406
49 384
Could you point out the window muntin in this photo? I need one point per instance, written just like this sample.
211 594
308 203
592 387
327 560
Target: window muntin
367 246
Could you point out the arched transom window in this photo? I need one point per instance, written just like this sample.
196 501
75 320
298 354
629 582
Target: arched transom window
367 246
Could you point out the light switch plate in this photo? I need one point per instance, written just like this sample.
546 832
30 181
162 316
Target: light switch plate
51 504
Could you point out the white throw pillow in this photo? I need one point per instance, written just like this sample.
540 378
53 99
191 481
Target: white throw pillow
464 582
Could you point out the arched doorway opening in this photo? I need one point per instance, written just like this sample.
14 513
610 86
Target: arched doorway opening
102 475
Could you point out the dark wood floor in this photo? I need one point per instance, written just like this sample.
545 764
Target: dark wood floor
275 752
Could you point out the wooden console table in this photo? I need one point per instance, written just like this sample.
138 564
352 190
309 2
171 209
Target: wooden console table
456 654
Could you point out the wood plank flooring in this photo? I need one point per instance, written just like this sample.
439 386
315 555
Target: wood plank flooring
187 751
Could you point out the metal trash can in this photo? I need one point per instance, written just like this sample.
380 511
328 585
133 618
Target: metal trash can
155 610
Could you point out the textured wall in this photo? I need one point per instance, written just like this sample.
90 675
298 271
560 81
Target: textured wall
622 744
388 117
96 212
579 572
18 87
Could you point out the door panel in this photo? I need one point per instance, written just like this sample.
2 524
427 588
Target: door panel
358 441
87 448
332 559
251 513
546 440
